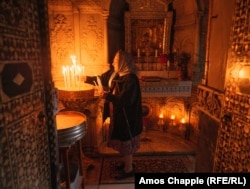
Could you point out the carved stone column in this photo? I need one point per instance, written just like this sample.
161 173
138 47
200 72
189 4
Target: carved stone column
76 21
105 36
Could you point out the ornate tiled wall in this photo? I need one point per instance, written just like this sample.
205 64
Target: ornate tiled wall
233 143
24 149
210 103
230 108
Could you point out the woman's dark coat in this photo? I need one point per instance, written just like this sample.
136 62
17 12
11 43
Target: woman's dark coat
127 107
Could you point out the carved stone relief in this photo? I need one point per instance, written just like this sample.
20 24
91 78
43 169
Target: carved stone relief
149 5
210 101
62 42
78 28
147 28
91 37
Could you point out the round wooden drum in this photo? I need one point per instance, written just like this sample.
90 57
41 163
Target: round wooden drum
71 127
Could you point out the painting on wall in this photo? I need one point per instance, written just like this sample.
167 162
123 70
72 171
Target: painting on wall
148 38
148 34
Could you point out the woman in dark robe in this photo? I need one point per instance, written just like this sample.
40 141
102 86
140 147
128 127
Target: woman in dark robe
123 106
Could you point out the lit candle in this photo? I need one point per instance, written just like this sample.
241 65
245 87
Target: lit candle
72 74
64 76
172 117
77 76
168 64
73 58
67 77
164 36
160 121
183 121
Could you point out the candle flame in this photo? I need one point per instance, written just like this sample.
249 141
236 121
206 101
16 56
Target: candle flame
72 74
73 58
183 120
172 117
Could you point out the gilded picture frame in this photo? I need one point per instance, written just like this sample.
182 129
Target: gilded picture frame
148 34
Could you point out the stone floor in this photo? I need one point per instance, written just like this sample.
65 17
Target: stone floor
156 141
153 142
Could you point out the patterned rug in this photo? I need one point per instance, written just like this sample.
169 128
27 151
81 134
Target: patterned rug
143 164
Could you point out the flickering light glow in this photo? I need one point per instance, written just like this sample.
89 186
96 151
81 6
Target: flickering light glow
161 121
172 117
72 75
244 72
183 121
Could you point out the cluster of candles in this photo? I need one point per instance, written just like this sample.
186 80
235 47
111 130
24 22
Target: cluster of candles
182 121
172 118
72 75
182 126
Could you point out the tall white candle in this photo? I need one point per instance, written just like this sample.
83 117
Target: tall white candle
168 64
64 76
73 58
156 53
172 117
68 78
72 77
164 36
183 121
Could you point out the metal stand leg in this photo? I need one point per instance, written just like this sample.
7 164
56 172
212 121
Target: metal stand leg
65 152
79 149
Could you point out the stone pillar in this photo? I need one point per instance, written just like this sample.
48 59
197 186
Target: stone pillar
105 36
76 21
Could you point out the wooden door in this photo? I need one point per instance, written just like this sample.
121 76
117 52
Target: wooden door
28 152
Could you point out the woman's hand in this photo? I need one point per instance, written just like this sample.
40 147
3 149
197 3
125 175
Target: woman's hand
83 78
103 94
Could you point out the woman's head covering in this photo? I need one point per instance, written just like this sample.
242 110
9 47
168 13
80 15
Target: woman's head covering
124 63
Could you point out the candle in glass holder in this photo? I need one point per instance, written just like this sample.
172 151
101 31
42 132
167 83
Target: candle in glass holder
183 121
161 122
172 117
183 124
